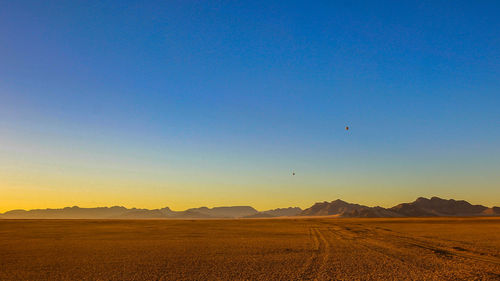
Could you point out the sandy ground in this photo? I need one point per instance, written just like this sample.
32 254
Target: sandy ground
251 249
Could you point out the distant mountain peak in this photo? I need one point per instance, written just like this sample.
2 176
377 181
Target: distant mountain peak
336 207
279 212
339 201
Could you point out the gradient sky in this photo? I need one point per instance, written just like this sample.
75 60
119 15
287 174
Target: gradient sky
211 103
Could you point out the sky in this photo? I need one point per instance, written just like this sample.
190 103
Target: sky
216 103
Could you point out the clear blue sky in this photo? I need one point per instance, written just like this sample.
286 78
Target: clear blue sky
188 103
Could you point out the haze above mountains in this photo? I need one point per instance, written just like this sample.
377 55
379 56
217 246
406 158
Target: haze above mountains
422 207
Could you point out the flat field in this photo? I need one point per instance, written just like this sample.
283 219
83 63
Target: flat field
251 249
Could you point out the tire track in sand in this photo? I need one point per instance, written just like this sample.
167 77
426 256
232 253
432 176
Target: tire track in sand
315 266
390 244
442 250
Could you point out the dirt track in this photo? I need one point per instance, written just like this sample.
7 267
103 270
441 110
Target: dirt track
260 249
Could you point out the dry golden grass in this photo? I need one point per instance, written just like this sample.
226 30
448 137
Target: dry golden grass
251 249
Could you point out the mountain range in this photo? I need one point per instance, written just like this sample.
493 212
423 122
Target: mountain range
422 207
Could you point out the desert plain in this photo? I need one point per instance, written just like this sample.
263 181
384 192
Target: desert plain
252 249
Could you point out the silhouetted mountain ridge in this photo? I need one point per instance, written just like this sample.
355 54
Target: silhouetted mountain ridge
74 212
280 212
119 212
421 207
225 212
337 207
